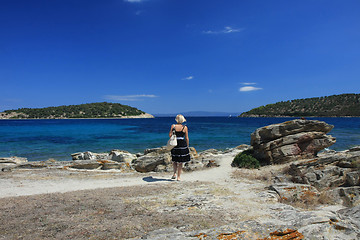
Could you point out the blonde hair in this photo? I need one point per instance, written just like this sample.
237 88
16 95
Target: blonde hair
180 118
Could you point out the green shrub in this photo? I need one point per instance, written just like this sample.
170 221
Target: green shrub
245 160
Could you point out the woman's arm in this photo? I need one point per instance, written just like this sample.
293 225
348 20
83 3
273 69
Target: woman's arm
187 136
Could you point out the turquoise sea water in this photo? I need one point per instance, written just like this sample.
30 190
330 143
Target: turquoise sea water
58 139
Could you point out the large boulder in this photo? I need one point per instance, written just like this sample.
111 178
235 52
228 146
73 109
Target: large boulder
151 161
116 159
89 156
14 160
159 160
122 156
291 140
7 163
353 178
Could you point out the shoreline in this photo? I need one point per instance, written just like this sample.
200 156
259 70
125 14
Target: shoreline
142 116
299 117
223 150
135 117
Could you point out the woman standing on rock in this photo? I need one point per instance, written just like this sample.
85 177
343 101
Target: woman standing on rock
180 153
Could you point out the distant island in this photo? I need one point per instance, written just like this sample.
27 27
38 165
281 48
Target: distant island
198 114
89 110
343 105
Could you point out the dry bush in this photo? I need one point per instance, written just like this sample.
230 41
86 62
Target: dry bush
252 174
264 174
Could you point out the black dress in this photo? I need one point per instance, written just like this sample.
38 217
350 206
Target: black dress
180 153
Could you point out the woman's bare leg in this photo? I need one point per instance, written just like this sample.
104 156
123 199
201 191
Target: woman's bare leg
179 169
175 169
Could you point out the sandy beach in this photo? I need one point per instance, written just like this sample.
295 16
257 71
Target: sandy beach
207 204
202 200
35 194
31 182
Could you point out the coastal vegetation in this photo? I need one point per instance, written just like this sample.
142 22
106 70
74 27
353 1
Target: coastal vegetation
89 110
344 105
245 160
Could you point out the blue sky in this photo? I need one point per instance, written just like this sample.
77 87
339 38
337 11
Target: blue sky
168 56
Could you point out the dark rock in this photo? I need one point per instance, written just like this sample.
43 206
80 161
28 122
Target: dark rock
355 149
350 195
6 167
353 178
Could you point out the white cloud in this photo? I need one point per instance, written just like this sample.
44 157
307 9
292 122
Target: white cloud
249 88
139 97
248 83
226 30
188 78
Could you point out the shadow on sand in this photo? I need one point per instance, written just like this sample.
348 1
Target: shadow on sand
152 179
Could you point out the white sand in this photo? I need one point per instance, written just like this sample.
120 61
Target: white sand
31 184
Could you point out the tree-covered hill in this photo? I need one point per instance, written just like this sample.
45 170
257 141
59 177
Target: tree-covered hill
89 110
330 106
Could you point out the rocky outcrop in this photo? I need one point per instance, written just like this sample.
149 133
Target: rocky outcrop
330 176
7 163
290 192
90 156
122 156
159 160
116 159
291 140
153 160
114 155
100 165
287 222
335 175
